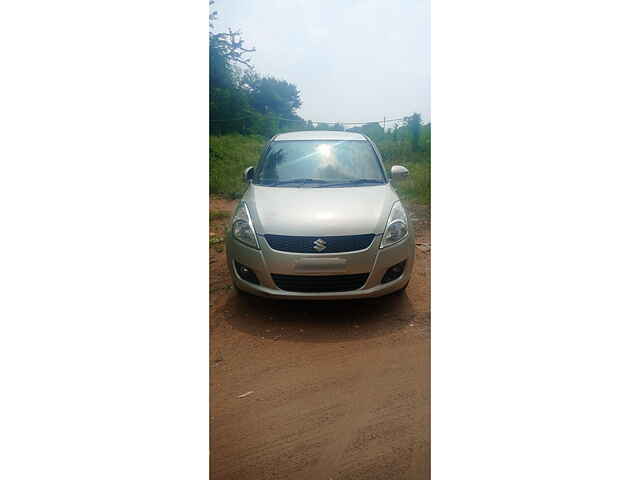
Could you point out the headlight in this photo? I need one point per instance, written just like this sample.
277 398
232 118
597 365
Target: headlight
396 226
242 228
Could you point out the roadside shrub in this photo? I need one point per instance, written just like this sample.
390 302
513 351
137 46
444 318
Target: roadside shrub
229 155
416 188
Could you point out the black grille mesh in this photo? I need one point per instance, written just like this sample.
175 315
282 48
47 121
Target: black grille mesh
347 243
313 283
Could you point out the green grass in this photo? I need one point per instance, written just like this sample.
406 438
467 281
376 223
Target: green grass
229 155
216 243
416 188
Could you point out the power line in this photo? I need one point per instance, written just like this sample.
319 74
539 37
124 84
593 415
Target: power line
309 121
230 119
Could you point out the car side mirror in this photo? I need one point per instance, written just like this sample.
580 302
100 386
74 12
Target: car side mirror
247 176
398 172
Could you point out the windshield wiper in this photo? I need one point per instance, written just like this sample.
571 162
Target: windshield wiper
358 181
298 180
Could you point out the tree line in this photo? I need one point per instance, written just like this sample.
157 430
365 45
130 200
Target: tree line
243 101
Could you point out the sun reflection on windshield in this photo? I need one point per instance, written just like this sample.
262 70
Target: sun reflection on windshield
327 156
324 149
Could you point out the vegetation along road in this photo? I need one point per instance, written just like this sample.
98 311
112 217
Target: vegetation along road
328 390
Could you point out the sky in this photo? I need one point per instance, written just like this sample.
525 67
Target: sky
352 60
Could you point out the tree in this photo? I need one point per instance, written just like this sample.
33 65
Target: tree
241 100
373 130
230 45
231 106
425 140
271 95
413 124
226 101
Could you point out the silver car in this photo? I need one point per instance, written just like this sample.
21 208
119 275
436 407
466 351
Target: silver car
320 220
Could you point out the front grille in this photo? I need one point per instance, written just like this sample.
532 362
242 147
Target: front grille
313 283
333 244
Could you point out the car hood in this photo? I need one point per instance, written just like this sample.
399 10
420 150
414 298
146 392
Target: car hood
320 211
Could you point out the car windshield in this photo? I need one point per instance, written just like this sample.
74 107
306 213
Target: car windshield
319 163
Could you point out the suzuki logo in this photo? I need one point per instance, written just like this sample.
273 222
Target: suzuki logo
319 245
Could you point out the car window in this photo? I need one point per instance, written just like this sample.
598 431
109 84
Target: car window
315 162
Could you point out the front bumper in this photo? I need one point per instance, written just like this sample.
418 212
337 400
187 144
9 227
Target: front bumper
373 260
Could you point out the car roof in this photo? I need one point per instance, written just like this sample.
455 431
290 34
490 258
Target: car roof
319 135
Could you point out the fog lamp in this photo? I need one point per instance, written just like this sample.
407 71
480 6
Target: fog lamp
394 272
247 274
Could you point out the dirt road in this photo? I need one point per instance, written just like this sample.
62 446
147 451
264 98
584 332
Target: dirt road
319 390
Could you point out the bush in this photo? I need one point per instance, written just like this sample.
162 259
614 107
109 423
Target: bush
229 155
417 188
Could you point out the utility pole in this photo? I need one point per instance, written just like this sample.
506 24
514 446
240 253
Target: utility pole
384 125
